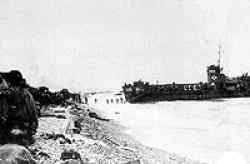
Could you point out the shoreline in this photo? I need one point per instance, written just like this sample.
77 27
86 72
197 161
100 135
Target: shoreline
98 142
170 133
200 131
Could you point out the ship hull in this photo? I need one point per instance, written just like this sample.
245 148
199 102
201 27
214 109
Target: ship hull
155 97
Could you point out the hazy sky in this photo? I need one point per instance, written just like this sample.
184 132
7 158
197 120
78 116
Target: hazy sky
81 44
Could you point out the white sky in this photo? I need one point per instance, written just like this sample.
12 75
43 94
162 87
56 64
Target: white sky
81 44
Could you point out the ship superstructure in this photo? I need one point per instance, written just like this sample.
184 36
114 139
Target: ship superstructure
218 85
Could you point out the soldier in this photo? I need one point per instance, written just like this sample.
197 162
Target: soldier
21 120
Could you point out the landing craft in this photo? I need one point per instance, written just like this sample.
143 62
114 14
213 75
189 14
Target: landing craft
218 85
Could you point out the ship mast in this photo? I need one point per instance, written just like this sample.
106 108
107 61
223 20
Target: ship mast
219 53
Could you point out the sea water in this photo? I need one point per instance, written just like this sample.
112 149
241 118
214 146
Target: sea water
199 130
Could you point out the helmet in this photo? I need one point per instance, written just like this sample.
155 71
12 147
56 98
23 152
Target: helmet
16 78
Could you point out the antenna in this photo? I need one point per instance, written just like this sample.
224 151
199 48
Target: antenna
219 53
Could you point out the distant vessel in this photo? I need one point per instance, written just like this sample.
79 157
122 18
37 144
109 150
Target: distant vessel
218 85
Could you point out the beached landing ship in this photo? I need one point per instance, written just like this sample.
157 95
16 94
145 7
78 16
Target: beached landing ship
218 85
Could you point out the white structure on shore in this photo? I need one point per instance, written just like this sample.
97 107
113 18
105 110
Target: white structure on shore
104 98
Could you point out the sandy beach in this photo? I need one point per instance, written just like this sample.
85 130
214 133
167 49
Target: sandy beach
100 141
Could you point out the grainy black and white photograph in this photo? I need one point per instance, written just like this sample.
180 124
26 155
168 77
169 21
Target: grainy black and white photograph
124 82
